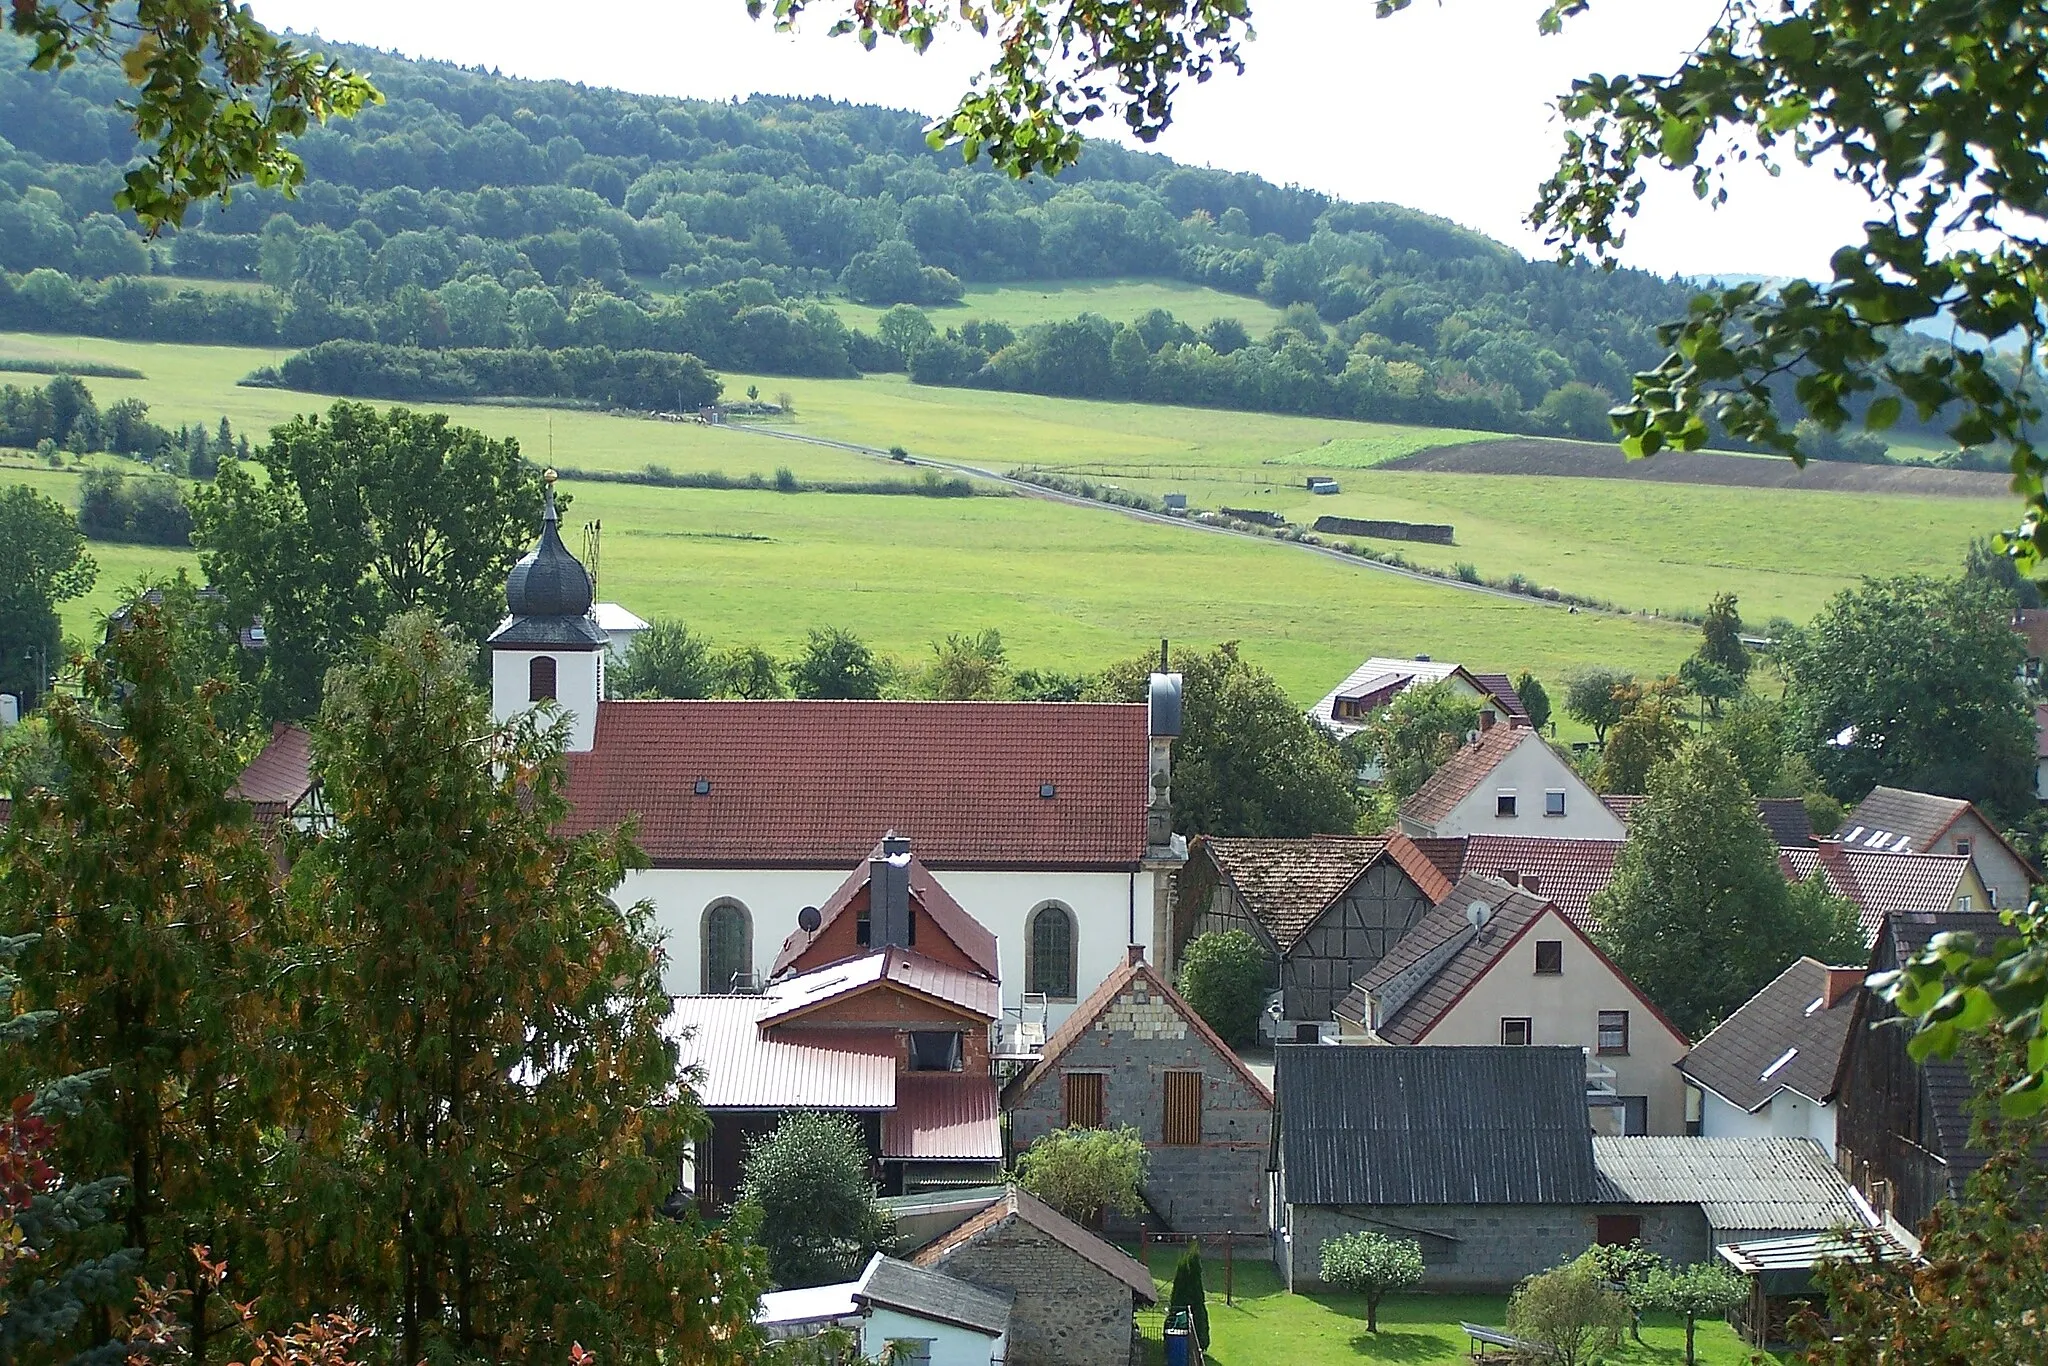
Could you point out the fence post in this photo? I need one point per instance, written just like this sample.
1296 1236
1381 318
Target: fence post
1229 1266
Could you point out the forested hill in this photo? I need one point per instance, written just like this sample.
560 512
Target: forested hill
473 210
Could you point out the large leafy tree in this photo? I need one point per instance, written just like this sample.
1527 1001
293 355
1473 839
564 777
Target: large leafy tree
360 515
1909 682
1698 913
494 1026
667 660
1413 735
151 902
45 563
1247 761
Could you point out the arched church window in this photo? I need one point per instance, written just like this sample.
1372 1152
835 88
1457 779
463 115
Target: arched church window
728 946
540 679
1049 952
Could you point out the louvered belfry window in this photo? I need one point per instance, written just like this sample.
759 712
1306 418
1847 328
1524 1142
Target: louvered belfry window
1082 1093
1183 1108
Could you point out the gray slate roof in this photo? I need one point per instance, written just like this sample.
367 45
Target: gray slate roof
1786 1035
1367 1125
1778 1185
930 1294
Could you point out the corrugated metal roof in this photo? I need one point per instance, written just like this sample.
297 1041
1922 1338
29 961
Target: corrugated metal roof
1802 1252
795 996
944 1116
810 783
1775 1184
738 1069
933 1295
1433 1126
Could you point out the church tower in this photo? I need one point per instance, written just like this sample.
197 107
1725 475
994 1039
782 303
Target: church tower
550 647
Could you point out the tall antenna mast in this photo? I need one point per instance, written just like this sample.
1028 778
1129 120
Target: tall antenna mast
592 533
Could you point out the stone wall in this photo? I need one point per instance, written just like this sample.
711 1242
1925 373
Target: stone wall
1215 1186
1067 1312
1485 1247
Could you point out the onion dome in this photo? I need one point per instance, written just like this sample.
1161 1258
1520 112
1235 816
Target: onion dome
548 581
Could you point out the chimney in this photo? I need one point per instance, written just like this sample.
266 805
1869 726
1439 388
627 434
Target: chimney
1162 711
1842 982
1135 955
1485 721
889 894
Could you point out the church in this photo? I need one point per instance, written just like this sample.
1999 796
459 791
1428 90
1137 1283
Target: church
1050 823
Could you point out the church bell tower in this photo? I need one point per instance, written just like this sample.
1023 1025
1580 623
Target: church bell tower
550 649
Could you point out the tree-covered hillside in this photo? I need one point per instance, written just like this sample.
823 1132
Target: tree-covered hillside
475 211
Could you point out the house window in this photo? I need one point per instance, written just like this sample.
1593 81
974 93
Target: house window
1963 848
1553 802
1963 903
1516 1033
909 1351
1504 802
1635 1115
540 679
1081 1094
1183 1123
1614 1031
1549 957
1617 1230
728 947
935 1050
1049 952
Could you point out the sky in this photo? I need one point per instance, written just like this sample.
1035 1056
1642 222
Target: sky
1445 107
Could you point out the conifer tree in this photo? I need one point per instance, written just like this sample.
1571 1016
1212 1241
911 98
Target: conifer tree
152 902
496 1027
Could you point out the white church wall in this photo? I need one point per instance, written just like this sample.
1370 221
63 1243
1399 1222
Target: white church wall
1102 904
578 683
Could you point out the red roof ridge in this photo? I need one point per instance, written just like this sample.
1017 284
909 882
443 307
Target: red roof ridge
1461 774
1099 1000
1417 866
1021 1204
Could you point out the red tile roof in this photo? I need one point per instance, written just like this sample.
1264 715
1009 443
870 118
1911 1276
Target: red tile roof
1567 872
1879 884
1446 853
808 783
942 1115
1503 689
1029 1209
969 935
1134 972
279 777
1463 772
795 997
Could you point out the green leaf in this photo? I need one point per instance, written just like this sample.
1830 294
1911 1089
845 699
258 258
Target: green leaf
1883 413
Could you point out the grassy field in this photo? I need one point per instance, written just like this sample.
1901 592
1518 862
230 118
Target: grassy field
1267 1325
1120 300
119 565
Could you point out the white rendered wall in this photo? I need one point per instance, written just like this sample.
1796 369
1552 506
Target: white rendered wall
1785 1115
578 678
1531 770
950 1345
1102 904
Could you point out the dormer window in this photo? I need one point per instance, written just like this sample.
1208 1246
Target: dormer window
1504 802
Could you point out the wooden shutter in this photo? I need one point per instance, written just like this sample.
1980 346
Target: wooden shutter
1183 1108
1082 1092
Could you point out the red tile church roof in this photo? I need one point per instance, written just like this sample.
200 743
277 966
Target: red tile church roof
808 783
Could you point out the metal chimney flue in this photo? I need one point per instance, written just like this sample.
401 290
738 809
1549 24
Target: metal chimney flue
889 894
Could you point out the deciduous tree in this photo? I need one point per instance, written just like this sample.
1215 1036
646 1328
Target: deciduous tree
1698 913
45 564
1571 1311
1909 682
1412 736
808 1194
747 671
666 661
1083 1173
493 1025
1721 637
969 667
1225 975
1591 698
361 515
835 663
1373 1265
1702 1290
1647 732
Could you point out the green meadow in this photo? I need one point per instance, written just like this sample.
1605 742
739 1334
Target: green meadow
1119 300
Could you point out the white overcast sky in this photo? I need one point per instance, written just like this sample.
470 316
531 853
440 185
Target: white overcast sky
1445 107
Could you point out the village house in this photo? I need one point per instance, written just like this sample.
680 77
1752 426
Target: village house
1347 708
1051 822
1771 1070
1325 909
924 1316
1074 1297
1484 1158
1894 821
1136 1054
1902 1135
1497 965
279 783
1881 885
1509 781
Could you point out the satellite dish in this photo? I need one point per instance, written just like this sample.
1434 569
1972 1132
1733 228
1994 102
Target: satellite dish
808 920
1477 914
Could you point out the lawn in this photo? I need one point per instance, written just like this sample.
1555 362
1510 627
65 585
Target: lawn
1119 300
1267 1325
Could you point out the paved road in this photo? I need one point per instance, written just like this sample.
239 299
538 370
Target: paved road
1031 490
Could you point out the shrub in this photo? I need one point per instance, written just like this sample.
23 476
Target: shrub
1083 1173
1571 1311
1372 1265
1189 1294
1223 975
1692 1293
807 1192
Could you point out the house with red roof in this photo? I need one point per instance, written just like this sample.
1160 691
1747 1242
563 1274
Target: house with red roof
1509 781
1494 965
883 1010
1893 820
1050 822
